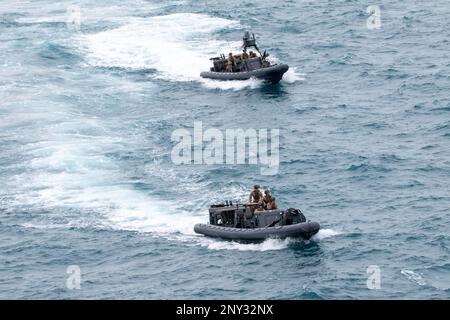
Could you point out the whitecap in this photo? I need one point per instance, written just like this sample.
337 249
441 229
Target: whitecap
414 277
325 233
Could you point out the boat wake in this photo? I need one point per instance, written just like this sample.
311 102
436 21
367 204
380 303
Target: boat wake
176 46
266 245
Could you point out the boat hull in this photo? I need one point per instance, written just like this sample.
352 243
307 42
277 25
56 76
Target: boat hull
304 230
272 74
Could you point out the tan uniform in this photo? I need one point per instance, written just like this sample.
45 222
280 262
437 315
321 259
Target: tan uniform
230 64
255 196
272 205
267 199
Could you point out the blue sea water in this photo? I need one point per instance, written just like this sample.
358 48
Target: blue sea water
86 118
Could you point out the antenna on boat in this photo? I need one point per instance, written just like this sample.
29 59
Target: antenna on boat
250 41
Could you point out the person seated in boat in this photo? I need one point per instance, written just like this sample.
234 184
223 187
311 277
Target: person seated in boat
272 205
256 195
252 54
267 199
244 55
231 62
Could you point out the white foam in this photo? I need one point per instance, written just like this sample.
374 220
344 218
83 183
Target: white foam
414 277
231 85
267 245
74 183
292 75
69 169
177 46
325 233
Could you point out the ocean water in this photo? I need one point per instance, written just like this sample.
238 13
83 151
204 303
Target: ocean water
86 117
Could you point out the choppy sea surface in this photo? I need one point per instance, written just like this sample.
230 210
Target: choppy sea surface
86 118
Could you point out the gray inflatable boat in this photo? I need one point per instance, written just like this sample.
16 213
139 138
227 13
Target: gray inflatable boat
242 222
272 73
246 66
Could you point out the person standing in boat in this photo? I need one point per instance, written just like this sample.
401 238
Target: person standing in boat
231 62
256 195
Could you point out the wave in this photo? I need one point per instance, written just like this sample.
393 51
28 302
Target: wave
414 277
178 46
71 168
325 233
292 75
267 245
